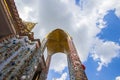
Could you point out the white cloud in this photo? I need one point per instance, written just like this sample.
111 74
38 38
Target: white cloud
104 52
63 77
117 9
117 78
58 62
79 22
28 10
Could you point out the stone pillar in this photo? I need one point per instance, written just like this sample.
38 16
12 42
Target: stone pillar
48 63
43 68
44 73
74 64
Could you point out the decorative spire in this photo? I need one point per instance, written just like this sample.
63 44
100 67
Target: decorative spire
29 25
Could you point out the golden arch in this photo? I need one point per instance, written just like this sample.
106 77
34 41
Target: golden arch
60 41
57 41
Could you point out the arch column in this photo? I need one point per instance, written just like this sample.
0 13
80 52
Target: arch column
46 69
43 74
48 63
60 41
76 70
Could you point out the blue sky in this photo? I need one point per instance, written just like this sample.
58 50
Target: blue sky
94 26
110 33
52 74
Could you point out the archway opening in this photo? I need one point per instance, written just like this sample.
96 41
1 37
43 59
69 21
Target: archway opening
60 41
58 69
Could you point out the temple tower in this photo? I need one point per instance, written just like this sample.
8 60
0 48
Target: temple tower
22 56
60 41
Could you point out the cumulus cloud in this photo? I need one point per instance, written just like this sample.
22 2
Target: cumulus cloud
63 77
28 10
78 21
117 78
58 62
104 51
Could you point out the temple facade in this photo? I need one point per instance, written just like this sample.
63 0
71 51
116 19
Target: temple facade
22 56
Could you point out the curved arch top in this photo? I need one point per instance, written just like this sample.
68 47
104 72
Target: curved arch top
57 41
60 41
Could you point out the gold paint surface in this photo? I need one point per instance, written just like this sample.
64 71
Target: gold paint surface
57 41
7 8
29 25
